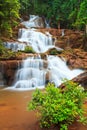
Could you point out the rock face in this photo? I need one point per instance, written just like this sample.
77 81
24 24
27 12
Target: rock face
66 38
76 58
8 69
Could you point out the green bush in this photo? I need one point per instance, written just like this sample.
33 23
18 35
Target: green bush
6 53
29 49
59 107
2 48
54 52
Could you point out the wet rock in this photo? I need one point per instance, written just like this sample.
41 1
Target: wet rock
8 69
81 79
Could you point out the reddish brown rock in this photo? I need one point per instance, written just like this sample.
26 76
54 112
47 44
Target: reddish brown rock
8 69
76 58
71 38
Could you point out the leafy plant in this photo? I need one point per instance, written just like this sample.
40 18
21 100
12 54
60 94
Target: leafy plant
2 48
54 52
59 107
6 53
29 49
9 15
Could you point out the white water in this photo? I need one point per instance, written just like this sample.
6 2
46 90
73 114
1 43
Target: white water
59 70
33 73
40 42
15 46
34 21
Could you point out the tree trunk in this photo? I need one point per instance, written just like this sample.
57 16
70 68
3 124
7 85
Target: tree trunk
59 25
86 30
85 39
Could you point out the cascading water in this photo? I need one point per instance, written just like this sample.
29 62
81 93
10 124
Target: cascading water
59 70
32 74
34 21
40 42
36 72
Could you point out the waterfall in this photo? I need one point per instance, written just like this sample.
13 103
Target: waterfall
59 70
15 46
47 23
32 74
36 72
34 21
40 42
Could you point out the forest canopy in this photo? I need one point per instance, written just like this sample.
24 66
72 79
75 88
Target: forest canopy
69 14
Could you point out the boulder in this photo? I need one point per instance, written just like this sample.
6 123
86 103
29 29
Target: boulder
81 79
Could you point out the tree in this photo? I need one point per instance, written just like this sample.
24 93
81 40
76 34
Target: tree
81 21
25 6
82 16
9 13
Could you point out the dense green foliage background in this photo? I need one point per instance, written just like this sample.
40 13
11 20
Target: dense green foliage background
67 14
9 12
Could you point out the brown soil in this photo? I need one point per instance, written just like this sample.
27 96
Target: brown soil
14 115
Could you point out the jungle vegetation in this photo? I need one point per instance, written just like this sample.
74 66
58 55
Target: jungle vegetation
67 14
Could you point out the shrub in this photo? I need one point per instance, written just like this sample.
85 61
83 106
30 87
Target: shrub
54 52
57 106
2 48
29 49
6 53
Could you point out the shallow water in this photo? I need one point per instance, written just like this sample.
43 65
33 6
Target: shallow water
14 115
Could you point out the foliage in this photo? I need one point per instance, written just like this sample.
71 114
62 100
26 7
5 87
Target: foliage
29 49
60 11
70 13
57 106
2 48
24 6
9 13
56 11
6 53
82 14
54 51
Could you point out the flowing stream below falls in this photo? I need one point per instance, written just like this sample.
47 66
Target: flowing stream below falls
34 71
